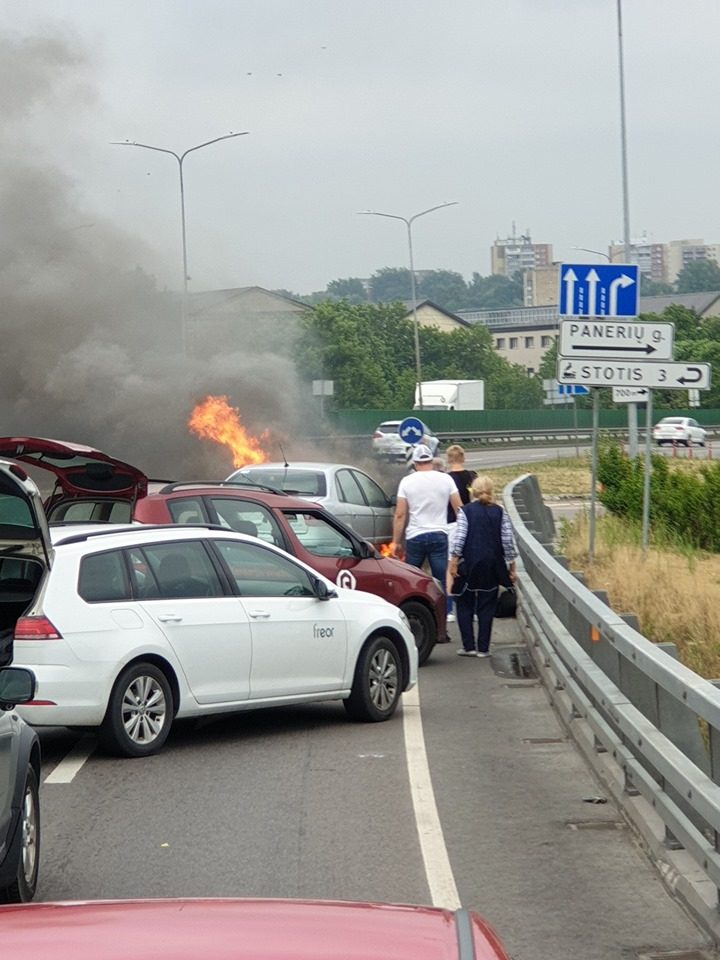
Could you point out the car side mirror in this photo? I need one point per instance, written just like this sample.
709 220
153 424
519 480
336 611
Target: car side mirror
17 685
322 591
392 501
366 551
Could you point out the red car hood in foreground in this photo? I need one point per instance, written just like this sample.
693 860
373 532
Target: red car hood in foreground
243 930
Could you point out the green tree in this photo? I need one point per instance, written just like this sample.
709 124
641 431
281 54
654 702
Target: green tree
444 287
351 289
654 288
698 277
390 284
494 292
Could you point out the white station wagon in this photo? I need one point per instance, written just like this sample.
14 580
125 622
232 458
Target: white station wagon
127 628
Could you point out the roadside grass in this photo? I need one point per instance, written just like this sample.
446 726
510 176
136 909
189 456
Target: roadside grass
672 588
673 591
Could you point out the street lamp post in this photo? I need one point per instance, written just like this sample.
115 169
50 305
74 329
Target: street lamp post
408 221
180 157
598 252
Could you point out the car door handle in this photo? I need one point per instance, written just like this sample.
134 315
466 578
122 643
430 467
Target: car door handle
169 618
259 614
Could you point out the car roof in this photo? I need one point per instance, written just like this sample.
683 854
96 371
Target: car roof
234 929
257 493
299 465
111 534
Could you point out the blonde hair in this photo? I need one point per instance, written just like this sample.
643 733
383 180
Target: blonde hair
455 453
481 489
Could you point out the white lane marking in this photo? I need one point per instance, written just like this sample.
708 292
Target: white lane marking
71 764
440 879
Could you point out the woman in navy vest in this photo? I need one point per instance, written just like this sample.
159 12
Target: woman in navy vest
483 558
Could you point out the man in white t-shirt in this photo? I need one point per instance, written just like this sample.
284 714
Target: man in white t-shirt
421 514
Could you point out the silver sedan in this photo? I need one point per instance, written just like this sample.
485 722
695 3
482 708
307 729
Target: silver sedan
347 492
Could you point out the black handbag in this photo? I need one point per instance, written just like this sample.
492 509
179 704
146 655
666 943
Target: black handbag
506 603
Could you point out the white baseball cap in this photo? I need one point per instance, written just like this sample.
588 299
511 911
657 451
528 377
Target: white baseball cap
421 454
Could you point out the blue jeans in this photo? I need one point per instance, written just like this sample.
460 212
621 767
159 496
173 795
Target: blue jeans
480 604
432 547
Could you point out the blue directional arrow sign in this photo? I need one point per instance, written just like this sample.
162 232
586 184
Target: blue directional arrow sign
412 430
598 290
571 389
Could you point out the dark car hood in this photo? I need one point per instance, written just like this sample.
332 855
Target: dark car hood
79 470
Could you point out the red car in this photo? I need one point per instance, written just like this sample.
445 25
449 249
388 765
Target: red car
92 487
245 930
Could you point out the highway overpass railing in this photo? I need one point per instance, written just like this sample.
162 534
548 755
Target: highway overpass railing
649 726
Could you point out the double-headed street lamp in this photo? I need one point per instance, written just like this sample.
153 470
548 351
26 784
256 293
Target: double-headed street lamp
408 221
180 157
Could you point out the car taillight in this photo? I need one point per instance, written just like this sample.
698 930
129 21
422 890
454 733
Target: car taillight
377 435
36 628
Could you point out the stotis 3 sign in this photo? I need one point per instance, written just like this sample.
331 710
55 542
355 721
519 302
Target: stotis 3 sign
648 373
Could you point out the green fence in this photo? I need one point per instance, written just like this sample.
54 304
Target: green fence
364 422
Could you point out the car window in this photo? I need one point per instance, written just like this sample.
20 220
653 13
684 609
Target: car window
92 511
374 494
244 516
259 572
348 490
103 577
15 512
304 483
318 536
187 510
179 569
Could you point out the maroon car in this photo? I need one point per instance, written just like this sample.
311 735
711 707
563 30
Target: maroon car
90 486
235 929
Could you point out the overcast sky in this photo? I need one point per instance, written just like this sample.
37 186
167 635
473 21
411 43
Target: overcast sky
510 107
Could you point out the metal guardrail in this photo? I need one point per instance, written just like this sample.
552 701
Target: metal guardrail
649 726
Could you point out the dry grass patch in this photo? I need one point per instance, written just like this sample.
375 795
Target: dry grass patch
568 477
675 594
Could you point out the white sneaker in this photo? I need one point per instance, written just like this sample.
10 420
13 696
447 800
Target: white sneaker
469 653
483 655
450 618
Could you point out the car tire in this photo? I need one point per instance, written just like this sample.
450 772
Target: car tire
423 626
139 713
377 682
22 889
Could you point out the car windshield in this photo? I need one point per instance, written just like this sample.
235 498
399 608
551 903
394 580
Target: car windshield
303 483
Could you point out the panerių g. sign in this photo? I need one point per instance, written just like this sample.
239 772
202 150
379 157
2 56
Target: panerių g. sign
616 340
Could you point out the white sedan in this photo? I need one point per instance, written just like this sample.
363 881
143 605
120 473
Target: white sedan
387 444
684 430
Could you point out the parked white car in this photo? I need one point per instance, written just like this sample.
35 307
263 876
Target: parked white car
684 430
128 627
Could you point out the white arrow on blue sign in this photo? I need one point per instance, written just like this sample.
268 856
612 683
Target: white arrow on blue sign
598 290
411 430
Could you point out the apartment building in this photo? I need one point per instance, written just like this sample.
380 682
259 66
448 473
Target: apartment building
516 254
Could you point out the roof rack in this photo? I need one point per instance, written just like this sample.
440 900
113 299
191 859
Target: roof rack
138 528
233 484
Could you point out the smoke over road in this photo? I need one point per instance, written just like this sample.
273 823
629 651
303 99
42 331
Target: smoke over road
91 349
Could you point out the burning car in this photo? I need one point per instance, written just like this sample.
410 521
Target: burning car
92 487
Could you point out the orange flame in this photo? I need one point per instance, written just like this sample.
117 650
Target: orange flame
387 549
214 419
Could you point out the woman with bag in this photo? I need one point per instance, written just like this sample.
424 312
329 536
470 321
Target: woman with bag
483 559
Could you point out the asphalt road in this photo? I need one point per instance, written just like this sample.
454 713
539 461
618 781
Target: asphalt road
302 803
299 802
